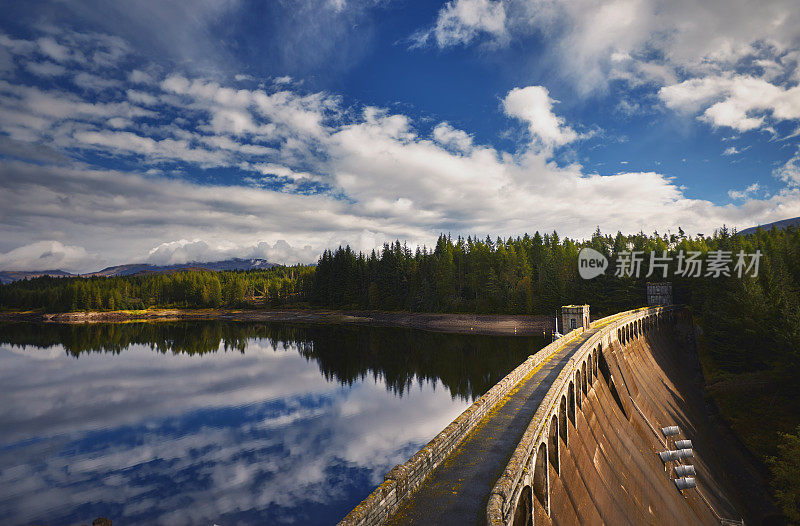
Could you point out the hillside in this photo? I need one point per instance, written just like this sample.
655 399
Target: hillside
8 276
780 225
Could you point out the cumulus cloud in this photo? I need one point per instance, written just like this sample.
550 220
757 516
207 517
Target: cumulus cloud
738 101
46 69
94 82
197 250
46 255
54 50
123 142
233 111
656 42
790 171
305 172
92 208
183 251
534 106
746 193
140 77
461 21
448 136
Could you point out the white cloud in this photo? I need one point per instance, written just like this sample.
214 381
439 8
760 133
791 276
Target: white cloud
281 171
628 107
140 77
179 33
90 208
640 42
18 47
744 194
790 171
461 21
739 102
534 106
46 255
46 69
35 115
448 136
141 97
304 170
226 143
383 181
186 251
637 73
94 82
123 142
119 122
233 111
49 47
731 150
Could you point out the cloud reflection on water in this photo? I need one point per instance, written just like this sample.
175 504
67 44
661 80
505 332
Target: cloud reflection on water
225 437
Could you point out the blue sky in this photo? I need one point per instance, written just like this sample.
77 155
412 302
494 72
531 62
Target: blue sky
166 132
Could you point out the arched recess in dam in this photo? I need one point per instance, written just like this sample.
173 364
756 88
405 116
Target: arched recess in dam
602 437
571 403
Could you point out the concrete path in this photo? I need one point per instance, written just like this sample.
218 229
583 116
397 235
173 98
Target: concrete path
458 490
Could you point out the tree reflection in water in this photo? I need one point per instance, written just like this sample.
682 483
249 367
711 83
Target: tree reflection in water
223 422
466 365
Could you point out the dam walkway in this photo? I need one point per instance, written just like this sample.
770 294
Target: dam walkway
457 491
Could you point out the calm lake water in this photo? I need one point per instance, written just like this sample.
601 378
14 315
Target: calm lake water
223 423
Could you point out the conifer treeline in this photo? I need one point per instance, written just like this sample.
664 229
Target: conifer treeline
188 289
754 321
525 275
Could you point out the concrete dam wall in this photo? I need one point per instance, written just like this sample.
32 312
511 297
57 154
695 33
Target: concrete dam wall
601 464
574 436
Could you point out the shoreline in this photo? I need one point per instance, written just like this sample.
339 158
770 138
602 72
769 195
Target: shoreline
458 323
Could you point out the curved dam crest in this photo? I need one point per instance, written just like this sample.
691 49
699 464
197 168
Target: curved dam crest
573 436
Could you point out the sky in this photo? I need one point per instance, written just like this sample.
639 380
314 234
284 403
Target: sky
165 131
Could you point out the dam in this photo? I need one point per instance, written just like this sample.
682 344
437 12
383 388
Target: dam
602 426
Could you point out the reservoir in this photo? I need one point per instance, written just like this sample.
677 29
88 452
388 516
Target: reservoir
223 423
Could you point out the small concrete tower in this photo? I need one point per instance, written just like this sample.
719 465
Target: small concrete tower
659 293
574 316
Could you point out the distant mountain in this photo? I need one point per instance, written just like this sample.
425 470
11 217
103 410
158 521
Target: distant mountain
7 276
780 225
146 268
124 270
